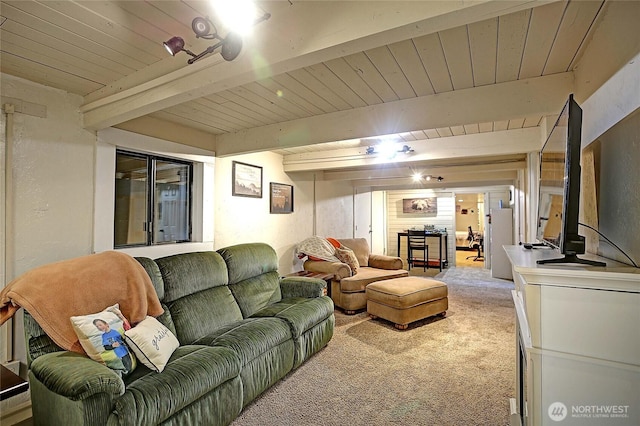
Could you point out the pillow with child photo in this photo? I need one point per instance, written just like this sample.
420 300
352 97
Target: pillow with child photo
102 338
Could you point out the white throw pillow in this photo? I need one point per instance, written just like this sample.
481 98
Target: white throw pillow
152 342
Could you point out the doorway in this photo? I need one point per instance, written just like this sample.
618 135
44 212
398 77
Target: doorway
469 217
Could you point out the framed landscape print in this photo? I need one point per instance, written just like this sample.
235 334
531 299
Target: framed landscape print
246 180
420 205
281 198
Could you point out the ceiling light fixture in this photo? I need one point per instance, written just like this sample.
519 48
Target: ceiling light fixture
418 177
231 45
388 150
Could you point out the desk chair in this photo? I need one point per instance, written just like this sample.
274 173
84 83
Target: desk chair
476 241
417 242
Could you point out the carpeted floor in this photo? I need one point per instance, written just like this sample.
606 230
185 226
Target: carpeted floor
457 370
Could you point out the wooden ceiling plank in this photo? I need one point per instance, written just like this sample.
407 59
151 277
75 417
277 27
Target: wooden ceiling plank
543 27
512 34
409 62
344 72
280 105
386 64
537 96
444 132
43 11
485 127
432 133
195 114
533 121
295 92
154 16
363 67
471 129
577 19
307 86
455 44
186 121
222 113
407 136
329 79
500 125
179 11
516 123
56 32
47 76
483 42
419 135
56 59
278 114
91 58
319 89
434 62
235 98
238 109
133 33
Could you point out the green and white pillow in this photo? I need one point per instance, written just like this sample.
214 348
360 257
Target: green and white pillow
102 338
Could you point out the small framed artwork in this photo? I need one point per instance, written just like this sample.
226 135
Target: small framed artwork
281 198
420 205
246 180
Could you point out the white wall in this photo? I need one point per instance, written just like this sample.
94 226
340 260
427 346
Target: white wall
334 209
246 220
52 186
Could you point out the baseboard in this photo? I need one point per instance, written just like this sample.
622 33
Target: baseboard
16 414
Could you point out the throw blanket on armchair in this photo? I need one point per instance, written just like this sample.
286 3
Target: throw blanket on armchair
85 285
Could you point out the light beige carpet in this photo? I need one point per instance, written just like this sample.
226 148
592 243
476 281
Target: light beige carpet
458 370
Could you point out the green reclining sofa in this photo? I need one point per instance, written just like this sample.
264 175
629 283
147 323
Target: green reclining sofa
241 328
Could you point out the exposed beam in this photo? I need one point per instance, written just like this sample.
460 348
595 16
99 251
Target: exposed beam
504 101
464 180
278 48
517 141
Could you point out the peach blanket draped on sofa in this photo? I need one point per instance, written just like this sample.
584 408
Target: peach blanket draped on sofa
55 292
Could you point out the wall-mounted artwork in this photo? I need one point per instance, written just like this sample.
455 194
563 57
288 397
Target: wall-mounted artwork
420 205
246 180
281 198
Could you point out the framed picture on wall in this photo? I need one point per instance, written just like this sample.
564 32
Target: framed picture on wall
420 205
280 198
246 180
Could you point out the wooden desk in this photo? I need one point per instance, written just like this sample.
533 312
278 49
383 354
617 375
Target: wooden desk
442 236
11 384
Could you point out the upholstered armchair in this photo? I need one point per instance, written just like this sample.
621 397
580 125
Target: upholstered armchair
348 286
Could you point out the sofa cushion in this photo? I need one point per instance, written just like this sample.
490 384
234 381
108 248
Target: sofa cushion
203 313
255 293
300 313
152 269
188 273
192 372
248 260
346 255
249 338
152 342
360 247
367 275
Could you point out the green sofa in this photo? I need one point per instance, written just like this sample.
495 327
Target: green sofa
241 328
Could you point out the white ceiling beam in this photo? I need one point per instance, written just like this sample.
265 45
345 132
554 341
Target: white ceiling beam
403 172
504 101
300 35
517 141
484 179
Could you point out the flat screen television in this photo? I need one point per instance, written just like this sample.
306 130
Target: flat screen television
559 188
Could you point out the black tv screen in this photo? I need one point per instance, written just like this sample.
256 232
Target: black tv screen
559 187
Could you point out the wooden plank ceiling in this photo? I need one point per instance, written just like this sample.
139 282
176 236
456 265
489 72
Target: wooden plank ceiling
89 47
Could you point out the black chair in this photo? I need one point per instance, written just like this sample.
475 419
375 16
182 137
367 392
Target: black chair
476 242
417 242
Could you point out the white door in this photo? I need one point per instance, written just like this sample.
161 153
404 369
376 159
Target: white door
362 214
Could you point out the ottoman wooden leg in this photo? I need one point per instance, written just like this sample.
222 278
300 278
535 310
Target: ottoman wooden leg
348 312
402 326
373 316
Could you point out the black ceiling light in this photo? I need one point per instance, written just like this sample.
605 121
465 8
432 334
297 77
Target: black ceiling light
230 46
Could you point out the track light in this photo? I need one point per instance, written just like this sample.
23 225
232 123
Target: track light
388 150
417 177
231 45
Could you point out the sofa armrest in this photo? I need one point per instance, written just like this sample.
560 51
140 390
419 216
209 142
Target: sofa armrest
302 287
385 262
338 269
75 376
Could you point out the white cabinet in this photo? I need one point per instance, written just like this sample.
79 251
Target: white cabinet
579 330
501 235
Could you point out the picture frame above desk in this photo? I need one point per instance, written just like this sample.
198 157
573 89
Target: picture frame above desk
443 247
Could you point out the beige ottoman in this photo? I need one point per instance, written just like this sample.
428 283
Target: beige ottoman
405 300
